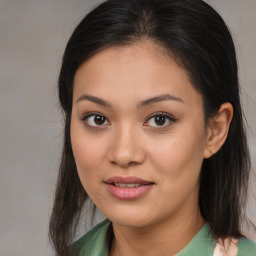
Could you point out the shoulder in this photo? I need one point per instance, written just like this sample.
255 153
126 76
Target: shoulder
93 241
246 247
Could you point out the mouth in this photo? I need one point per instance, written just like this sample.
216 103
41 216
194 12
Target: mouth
128 188
126 185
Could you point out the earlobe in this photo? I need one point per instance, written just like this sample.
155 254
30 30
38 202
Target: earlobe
217 130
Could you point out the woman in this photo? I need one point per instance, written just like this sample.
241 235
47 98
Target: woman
154 133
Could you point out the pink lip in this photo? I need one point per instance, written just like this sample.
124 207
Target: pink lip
128 193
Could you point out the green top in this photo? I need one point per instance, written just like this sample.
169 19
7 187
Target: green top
95 243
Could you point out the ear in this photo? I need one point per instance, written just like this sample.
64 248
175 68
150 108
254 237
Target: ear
217 130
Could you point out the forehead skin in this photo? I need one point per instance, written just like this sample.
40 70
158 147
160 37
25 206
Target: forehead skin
154 62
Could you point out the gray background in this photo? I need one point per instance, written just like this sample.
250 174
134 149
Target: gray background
33 34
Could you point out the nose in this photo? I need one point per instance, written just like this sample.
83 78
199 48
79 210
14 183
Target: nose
126 148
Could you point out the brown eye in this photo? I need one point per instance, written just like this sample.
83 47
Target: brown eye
99 120
160 120
95 120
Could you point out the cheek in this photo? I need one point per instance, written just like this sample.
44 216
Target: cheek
178 166
179 157
88 157
88 153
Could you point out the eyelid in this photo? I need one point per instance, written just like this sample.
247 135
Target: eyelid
169 116
161 113
93 113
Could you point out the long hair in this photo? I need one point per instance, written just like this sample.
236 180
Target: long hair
198 38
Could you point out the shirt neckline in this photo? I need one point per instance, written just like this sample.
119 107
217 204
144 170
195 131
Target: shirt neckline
202 239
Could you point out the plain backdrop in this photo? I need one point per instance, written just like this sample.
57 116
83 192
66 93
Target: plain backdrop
33 34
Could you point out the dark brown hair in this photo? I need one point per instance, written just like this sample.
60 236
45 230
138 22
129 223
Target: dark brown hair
198 37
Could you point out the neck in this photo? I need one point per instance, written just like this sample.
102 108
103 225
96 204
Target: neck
167 237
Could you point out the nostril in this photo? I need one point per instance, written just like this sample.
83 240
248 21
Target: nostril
126 154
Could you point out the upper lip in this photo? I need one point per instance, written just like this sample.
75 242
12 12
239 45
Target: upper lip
127 180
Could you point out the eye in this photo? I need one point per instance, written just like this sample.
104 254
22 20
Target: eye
160 120
95 120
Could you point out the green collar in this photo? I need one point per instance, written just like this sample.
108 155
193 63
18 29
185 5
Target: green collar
201 244
96 243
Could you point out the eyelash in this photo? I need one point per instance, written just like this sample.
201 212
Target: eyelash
90 114
163 114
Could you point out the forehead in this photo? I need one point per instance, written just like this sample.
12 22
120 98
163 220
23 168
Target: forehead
139 70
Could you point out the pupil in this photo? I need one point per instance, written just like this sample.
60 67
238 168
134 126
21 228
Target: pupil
160 120
99 120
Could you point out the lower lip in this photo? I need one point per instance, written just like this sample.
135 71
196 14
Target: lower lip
128 193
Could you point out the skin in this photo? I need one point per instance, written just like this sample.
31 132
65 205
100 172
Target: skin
130 143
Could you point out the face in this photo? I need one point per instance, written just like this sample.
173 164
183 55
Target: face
138 135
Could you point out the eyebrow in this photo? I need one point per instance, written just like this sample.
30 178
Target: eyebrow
159 98
94 100
144 103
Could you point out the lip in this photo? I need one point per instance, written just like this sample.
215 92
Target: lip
128 193
128 180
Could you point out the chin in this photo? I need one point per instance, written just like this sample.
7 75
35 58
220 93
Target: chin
130 218
131 222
